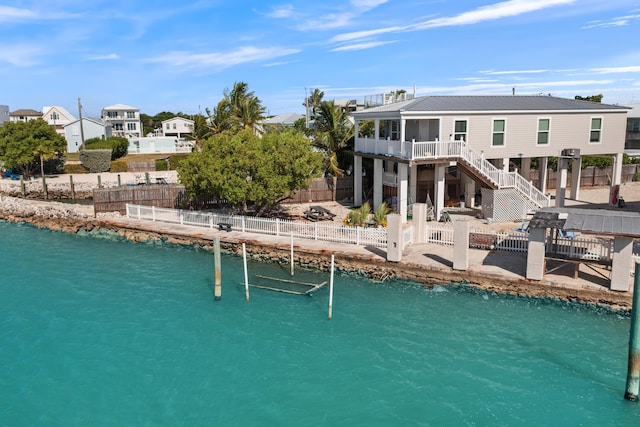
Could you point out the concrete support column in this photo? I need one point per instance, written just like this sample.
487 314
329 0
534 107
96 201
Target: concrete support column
376 131
403 187
377 183
413 183
543 164
470 193
461 245
438 190
394 237
617 169
561 183
535 254
525 168
357 180
419 222
576 164
621 266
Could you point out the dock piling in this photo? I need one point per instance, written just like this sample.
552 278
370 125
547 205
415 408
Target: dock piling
246 277
292 253
331 288
633 371
217 290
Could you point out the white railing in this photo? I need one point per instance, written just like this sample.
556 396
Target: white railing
407 236
413 150
439 234
362 236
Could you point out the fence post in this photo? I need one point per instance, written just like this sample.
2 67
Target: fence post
181 219
139 216
277 226
357 235
243 224
315 231
210 220
153 213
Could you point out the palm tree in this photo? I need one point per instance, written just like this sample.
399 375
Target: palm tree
244 108
314 100
332 132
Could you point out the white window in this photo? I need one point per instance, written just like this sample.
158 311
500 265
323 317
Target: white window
168 126
131 115
543 131
174 125
460 130
54 116
596 130
131 126
497 139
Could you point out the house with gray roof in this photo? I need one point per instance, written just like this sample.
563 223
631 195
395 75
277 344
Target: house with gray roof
445 148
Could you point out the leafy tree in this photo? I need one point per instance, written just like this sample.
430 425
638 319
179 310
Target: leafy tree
244 169
592 98
24 145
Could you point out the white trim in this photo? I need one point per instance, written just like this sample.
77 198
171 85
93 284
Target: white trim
504 132
548 144
591 129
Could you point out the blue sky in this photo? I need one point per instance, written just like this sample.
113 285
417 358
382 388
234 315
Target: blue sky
180 56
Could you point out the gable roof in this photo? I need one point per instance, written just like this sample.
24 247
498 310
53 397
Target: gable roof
493 103
63 112
89 119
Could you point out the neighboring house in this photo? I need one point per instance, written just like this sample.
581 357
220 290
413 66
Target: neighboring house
418 142
177 126
4 114
282 120
632 142
91 128
24 115
159 145
57 117
124 120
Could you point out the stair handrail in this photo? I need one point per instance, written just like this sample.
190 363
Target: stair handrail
501 178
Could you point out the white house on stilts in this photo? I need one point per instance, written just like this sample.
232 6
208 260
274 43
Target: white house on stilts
450 147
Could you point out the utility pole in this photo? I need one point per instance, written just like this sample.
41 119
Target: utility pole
306 108
81 125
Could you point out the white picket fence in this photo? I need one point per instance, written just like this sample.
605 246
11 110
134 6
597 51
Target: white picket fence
587 248
363 236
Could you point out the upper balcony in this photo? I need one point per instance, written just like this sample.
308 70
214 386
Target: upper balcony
409 150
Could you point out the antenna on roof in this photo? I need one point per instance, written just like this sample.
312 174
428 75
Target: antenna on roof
513 91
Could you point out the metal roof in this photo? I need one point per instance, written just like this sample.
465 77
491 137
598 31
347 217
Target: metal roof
491 103
592 221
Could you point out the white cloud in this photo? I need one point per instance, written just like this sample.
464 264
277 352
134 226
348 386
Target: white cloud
359 46
219 61
110 56
485 13
613 70
497 73
367 4
9 14
21 55
284 11
615 22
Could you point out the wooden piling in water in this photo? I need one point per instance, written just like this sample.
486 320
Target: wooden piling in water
217 289
633 370
72 187
292 253
119 181
331 288
246 276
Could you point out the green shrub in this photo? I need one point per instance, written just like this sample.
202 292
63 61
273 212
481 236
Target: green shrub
96 160
161 165
75 169
118 166
118 145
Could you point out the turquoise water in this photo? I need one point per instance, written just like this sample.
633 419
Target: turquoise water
95 332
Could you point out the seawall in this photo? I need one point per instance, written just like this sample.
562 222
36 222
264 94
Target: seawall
317 255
